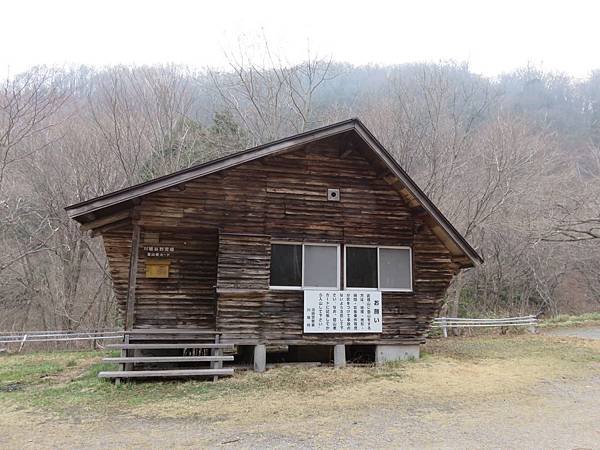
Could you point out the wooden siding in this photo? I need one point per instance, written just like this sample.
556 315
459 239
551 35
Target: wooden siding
276 316
243 262
284 197
187 298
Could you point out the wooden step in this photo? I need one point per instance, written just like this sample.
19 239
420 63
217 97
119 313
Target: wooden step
166 346
171 331
165 359
171 337
166 373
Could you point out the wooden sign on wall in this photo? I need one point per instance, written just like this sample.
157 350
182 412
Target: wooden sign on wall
157 268
159 251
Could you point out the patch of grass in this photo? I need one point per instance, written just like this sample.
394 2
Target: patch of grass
565 320
91 394
87 393
33 368
67 383
513 348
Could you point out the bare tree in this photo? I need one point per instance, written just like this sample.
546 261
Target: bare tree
577 216
514 163
272 98
27 104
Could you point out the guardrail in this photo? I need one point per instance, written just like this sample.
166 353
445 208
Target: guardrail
58 336
446 323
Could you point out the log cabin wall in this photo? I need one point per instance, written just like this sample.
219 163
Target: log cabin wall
282 197
187 298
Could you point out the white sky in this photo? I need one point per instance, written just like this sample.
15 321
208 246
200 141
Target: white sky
493 36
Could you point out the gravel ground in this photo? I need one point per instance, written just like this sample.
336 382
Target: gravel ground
581 332
557 415
506 402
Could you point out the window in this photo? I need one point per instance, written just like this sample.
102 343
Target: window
316 266
383 268
321 266
286 265
297 266
395 271
361 267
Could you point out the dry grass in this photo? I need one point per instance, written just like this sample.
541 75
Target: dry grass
451 371
469 382
566 320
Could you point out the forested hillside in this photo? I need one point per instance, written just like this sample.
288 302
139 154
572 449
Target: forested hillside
513 162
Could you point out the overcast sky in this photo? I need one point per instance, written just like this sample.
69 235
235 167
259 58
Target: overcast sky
493 36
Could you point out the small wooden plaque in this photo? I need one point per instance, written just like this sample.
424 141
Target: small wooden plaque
157 269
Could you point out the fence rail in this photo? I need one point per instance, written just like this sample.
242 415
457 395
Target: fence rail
58 336
446 323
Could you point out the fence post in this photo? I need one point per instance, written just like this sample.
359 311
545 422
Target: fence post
22 343
533 327
445 327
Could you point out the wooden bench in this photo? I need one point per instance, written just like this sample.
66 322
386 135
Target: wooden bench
165 359
177 331
156 365
167 346
175 373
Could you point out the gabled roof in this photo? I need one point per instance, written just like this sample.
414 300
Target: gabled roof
89 210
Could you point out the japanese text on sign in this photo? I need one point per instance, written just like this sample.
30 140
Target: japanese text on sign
158 252
342 311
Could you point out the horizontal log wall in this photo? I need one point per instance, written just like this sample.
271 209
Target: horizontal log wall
117 245
244 262
187 298
262 315
285 197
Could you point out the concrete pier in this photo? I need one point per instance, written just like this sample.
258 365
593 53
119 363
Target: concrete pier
339 356
260 358
388 353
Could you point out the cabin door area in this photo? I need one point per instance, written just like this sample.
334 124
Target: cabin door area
177 275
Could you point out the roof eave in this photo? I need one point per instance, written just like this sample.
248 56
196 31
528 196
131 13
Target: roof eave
393 165
79 211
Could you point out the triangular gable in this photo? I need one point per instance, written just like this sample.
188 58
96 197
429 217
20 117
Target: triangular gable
92 209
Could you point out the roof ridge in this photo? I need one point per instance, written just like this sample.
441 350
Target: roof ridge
79 210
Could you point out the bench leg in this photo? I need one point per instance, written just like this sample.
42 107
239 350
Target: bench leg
216 352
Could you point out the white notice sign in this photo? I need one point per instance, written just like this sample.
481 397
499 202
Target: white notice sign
342 311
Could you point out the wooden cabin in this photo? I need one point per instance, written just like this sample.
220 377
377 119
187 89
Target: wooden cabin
318 239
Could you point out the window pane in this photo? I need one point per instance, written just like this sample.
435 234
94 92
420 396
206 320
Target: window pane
394 268
286 265
361 267
320 266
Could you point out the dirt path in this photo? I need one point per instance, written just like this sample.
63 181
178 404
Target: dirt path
580 332
559 414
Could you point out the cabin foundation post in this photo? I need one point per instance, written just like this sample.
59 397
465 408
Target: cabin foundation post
389 353
131 281
260 358
339 356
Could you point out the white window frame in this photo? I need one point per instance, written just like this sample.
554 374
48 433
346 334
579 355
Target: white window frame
302 287
379 288
410 268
